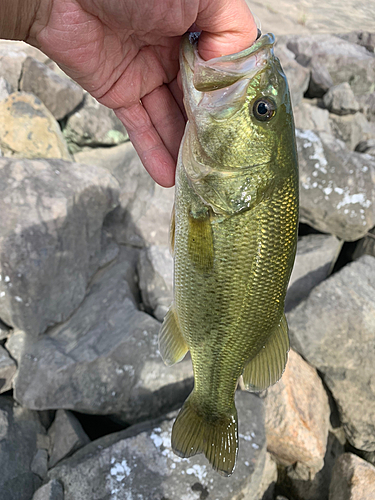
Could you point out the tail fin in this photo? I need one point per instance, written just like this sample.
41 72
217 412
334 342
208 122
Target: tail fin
193 433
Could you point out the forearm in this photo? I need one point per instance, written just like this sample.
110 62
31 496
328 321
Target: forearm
17 18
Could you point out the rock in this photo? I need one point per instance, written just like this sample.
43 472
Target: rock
366 246
311 117
145 207
363 38
11 62
5 89
39 465
50 239
298 77
352 479
92 125
367 105
320 79
155 271
365 146
104 359
60 95
53 490
66 436
316 256
337 186
297 417
340 100
4 330
139 460
344 61
23 48
269 479
19 430
352 129
28 129
8 369
333 329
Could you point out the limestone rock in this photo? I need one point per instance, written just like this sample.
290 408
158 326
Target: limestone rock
364 38
50 239
139 460
344 61
11 62
19 430
60 95
320 79
337 186
53 490
309 116
66 436
269 479
4 330
8 369
92 125
145 207
367 105
316 255
297 416
352 479
333 329
5 89
39 465
104 359
340 100
155 271
352 129
28 129
366 246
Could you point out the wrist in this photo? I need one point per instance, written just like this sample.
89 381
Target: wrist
17 18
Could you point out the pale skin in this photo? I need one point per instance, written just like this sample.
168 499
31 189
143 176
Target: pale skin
125 53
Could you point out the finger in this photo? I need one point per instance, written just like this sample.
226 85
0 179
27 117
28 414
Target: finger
166 117
151 150
228 26
177 93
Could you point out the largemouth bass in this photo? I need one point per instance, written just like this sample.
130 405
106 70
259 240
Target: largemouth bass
234 234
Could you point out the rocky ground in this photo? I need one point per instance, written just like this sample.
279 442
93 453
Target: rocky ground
86 403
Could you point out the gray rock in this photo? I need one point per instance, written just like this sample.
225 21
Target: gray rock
5 89
53 490
307 115
19 430
50 239
367 105
337 186
352 129
269 479
104 359
298 77
155 271
333 329
39 465
340 100
366 246
316 255
320 79
8 369
363 38
92 125
365 146
66 436
344 61
4 330
139 460
352 479
145 207
11 62
60 95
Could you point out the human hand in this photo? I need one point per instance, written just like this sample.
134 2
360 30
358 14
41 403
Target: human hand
125 53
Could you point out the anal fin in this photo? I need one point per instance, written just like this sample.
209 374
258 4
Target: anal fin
267 367
172 345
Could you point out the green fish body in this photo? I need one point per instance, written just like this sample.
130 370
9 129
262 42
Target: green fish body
234 234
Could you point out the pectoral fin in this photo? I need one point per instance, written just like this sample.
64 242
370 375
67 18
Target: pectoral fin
200 241
269 364
172 345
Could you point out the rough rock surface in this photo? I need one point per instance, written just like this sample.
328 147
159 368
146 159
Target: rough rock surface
352 479
352 129
337 186
139 460
341 100
28 129
5 89
145 207
53 490
8 369
66 436
93 125
59 95
333 329
366 246
19 431
316 255
39 465
307 115
155 271
104 359
297 416
367 105
50 240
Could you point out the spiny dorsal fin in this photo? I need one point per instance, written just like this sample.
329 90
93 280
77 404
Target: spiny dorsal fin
269 364
200 241
172 230
172 345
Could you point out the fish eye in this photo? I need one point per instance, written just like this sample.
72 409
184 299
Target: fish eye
264 109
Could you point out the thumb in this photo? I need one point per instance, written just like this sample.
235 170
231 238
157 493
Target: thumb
227 27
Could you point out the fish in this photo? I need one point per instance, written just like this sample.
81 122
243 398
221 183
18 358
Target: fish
233 238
